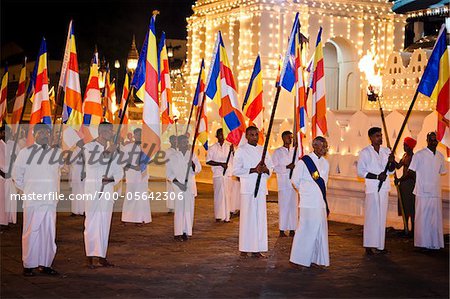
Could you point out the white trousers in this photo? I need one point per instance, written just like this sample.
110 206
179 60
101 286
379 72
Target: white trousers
38 236
310 243
375 210
183 219
428 228
253 224
288 209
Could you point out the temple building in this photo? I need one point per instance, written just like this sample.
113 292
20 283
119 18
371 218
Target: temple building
351 30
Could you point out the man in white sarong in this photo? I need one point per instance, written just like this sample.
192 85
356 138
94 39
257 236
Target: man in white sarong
287 197
9 214
99 207
184 196
371 166
310 177
136 205
170 201
36 172
253 215
428 165
217 158
77 179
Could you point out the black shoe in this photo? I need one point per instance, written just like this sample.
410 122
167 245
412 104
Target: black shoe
48 270
218 220
384 251
184 237
28 272
178 238
369 251
292 233
282 234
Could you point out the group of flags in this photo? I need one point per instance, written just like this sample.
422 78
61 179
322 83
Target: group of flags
152 84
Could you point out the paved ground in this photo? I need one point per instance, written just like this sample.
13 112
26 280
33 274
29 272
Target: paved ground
150 264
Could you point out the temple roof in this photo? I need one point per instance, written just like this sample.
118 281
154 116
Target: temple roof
404 6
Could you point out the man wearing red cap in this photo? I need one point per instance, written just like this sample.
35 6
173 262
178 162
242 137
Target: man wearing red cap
406 183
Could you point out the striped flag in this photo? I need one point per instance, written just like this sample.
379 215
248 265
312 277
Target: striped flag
221 89
92 104
3 96
319 104
145 81
253 101
202 134
110 90
40 110
291 79
20 96
435 83
70 83
165 89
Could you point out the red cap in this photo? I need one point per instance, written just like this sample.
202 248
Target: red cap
410 142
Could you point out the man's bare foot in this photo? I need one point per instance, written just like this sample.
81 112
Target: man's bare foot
318 266
384 251
178 238
90 262
282 234
369 251
184 237
258 255
244 255
298 267
104 262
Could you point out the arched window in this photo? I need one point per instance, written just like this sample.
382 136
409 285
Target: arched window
395 71
393 81
395 60
417 80
419 68
414 69
419 58
405 81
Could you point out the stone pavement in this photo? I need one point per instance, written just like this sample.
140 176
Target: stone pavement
150 264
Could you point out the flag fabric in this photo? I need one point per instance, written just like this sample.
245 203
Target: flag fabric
319 104
110 97
253 100
3 96
20 96
123 99
70 83
145 81
291 79
40 110
435 83
202 134
221 88
165 89
92 104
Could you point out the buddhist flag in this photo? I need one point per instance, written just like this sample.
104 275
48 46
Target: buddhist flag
70 83
202 134
40 110
20 96
319 104
291 79
165 89
253 101
3 94
145 81
92 104
221 89
110 98
435 84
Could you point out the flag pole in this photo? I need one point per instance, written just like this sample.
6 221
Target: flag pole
16 136
400 133
117 135
388 143
266 141
189 118
197 126
291 171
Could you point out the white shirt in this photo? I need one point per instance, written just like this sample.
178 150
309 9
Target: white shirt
177 165
310 194
219 153
373 162
248 156
37 171
428 168
131 155
282 157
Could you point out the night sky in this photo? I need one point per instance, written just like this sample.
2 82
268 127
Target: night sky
107 24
